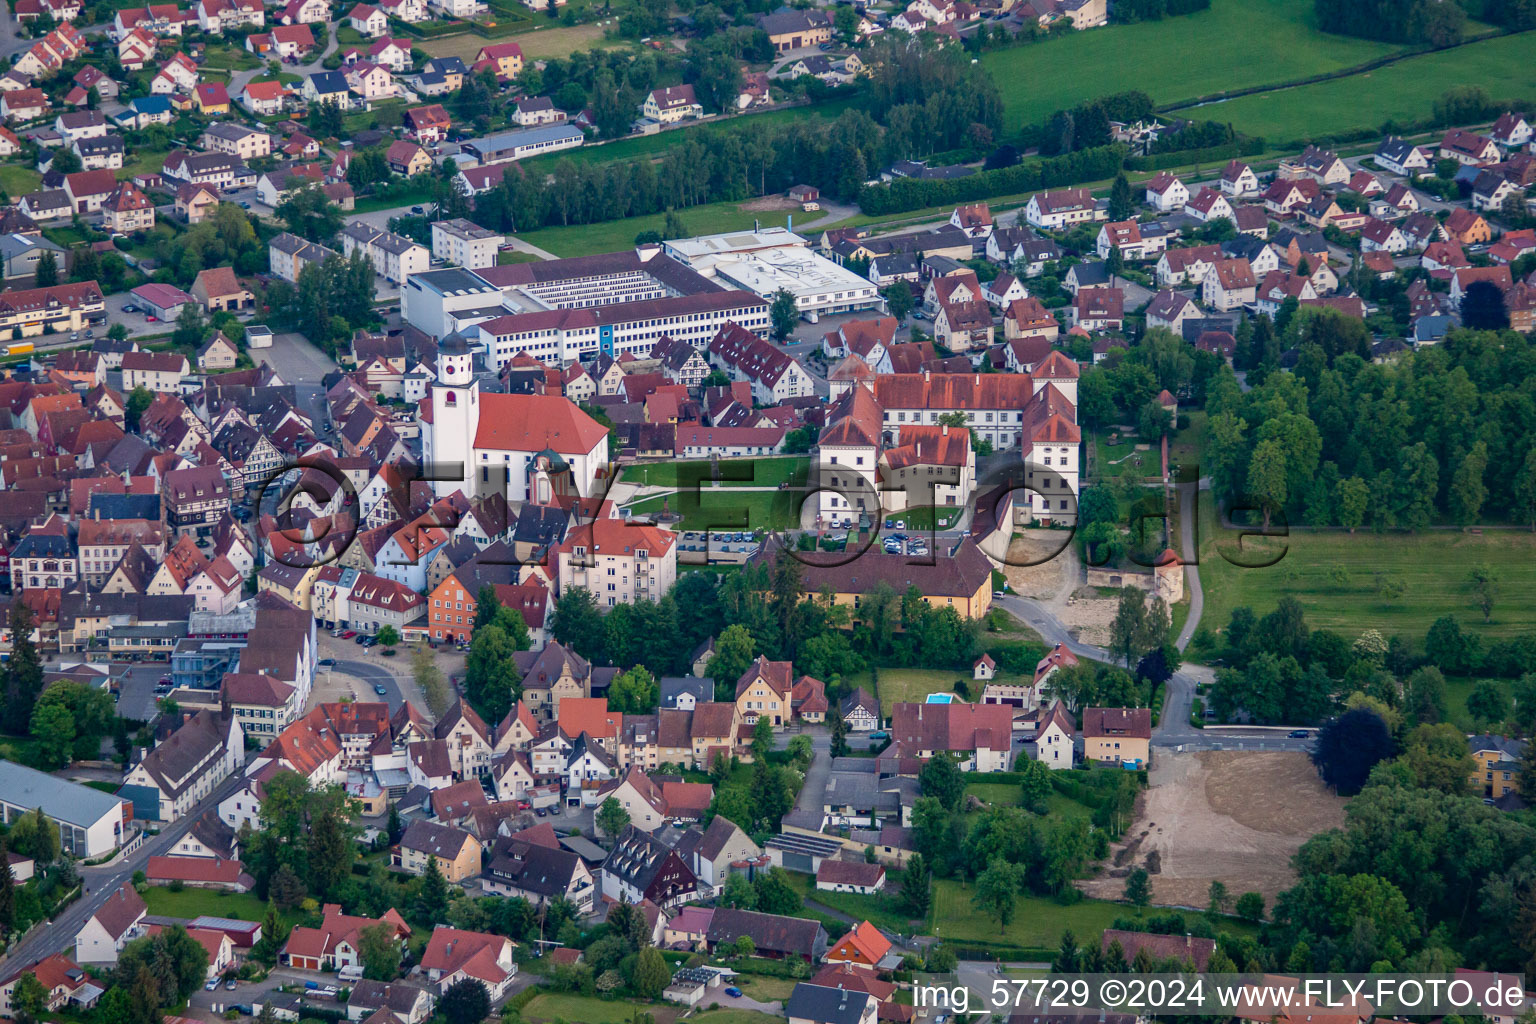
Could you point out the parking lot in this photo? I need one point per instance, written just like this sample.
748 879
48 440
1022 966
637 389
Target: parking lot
136 692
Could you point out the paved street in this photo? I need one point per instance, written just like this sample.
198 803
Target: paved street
100 882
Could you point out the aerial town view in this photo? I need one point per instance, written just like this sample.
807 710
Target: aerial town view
718 512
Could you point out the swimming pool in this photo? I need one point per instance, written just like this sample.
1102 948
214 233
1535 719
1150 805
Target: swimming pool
941 698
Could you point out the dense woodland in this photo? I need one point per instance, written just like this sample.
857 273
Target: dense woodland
922 102
1444 434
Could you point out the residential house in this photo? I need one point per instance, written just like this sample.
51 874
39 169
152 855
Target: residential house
115 923
185 767
1118 735
1238 179
456 852
1468 148
1229 285
672 104
863 945
453 955
1166 193
1401 157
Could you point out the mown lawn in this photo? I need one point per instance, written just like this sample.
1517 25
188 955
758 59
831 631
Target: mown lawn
737 1016
1235 44
927 517
733 472
1432 568
994 794
881 910
1407 89
764 988
505 258
727 510
18 181
909 685
549 1006
190 903
913 685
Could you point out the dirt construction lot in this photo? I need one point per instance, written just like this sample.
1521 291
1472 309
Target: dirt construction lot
1227 815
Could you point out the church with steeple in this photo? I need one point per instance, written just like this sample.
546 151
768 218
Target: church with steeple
489 442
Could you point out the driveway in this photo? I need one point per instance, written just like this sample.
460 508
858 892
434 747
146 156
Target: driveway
813 794
138 323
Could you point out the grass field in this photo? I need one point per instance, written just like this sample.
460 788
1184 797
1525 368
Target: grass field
1037 923
545 41
908 685
231 58
1407 89
880 910
1235 44
1432 567
613 235
505 258
18 181
727 510
549 1006
763 472
735 1016
190 903
143 161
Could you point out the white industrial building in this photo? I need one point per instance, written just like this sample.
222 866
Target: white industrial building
438 302
772 260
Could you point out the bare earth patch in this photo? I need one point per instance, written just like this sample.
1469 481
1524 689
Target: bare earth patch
1230 815
768 204
1038 566
1088 616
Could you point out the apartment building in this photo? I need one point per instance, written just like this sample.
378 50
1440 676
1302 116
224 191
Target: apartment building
464 243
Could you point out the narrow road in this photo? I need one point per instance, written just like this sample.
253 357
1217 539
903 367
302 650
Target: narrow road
100 882
1173 728
1189 509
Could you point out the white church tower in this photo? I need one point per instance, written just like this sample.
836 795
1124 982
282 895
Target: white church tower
455 417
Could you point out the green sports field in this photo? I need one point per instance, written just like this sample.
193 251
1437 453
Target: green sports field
1236 44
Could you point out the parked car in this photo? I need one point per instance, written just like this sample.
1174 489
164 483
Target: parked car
732 991
213 983
327 662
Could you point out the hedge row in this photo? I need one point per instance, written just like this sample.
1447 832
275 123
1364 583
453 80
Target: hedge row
905 194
